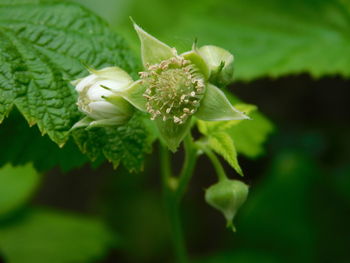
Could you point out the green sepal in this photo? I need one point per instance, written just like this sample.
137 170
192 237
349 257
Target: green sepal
153 51
172 133
116 121
89 123
84 122
216 107
220 63
198 61
123 106
134 95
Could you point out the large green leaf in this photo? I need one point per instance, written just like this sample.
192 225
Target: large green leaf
278 37
273 38
43 47
16 185
42 236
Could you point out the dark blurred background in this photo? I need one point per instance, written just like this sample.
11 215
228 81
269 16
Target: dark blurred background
292 61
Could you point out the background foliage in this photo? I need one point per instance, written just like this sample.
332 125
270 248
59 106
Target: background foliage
291 59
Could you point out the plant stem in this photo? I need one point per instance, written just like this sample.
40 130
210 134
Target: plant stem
173 190
176 231
191 154
220 172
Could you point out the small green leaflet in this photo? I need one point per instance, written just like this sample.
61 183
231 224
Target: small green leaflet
222 143
243 136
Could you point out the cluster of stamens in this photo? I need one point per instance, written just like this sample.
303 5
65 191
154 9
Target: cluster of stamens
174 89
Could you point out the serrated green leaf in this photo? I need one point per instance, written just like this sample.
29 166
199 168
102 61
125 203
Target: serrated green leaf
124 144
248 135
17 184
222 143
42 236
43 47
8 90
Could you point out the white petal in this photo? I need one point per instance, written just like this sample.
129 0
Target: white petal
102 110
103 106
116 75
96 92
85 82
115 85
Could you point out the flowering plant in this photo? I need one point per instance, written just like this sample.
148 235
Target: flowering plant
174 90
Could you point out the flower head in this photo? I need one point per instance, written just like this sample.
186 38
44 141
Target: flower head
175 87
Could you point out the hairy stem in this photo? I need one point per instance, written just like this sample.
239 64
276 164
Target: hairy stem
173 190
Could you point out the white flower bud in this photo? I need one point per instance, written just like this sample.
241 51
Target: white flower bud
100 99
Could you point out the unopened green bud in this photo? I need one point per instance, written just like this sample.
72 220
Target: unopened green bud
227 196
220 63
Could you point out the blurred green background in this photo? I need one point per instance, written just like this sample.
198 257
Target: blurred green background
292 59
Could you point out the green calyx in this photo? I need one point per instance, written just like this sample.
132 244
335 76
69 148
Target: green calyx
227 196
